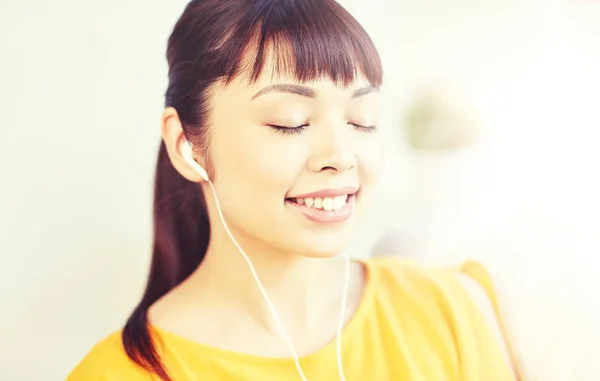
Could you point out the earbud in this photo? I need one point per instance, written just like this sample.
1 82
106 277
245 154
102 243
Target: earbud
187 153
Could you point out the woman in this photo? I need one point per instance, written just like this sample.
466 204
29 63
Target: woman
270 151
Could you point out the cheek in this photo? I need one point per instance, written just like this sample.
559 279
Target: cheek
280 161
258 168
371 158
253 176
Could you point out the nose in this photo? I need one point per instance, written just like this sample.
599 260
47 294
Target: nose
333 150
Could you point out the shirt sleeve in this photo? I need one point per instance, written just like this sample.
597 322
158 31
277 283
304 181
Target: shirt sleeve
107 361
487 319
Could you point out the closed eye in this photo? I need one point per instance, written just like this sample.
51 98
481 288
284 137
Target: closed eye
294 130
363 127
285 130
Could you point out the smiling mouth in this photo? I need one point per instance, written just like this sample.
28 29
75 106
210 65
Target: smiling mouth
329 204
324 210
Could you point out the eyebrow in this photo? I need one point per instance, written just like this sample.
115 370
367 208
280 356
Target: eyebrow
285 88
305 91
364 91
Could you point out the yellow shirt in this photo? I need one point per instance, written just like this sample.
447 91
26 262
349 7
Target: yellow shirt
415 323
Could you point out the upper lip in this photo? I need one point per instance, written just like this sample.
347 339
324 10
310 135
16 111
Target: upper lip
332 192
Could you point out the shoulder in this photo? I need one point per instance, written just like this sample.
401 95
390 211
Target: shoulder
408 287
468 279
107 361
462 297
461 291
405 275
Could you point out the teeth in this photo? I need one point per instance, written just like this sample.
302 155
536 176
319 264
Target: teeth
325 203
318 203
339 202
328 204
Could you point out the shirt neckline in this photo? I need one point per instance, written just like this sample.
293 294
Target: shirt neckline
348 332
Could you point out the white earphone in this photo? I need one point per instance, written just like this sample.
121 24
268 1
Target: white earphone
187 153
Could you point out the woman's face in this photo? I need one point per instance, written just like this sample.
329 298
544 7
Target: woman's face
294 162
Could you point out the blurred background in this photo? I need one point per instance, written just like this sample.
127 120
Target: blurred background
492 113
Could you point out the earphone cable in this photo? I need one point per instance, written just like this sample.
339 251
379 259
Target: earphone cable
272 308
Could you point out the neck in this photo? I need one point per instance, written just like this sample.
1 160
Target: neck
302 290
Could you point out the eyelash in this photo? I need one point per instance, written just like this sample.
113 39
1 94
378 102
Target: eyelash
298 129
288 130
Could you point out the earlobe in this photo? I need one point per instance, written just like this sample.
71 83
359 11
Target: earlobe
173 137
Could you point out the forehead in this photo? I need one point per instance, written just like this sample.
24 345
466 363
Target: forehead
277 68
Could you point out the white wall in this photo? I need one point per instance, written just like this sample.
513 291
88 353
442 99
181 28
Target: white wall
81 92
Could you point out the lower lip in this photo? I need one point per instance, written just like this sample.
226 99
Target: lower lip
325 216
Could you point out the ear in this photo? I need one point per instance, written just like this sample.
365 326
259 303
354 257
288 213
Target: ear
172 135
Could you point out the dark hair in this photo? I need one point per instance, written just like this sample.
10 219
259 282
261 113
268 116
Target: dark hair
210 44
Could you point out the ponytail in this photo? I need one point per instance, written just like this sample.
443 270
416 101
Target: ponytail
181 235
